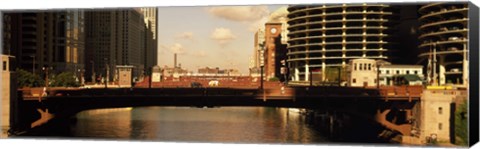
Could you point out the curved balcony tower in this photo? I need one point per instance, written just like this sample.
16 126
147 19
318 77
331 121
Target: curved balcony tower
324 36
444 43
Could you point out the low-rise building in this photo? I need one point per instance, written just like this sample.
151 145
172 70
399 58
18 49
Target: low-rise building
364 73
156 74
400 74
125 76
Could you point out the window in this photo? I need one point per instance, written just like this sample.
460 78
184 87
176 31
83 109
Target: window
360 67
416 72
4 66
369 66
354 80
398 71
355 66
440 110
439 126
408 71
388 71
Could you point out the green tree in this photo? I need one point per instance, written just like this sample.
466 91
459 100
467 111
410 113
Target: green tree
461 124
273 79
65 79
27 79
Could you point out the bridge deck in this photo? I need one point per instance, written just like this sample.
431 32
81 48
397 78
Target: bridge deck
287 93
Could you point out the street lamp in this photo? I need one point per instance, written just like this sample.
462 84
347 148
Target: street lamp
150 78
93 71
106 72
378 75
77 75
46 75
310 77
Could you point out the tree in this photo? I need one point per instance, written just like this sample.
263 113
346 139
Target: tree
461 124
65 79
27 79
273 79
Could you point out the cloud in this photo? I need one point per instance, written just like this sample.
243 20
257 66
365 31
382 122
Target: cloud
252 16
222 35
200 53
185 35
175 48
240 13
279 15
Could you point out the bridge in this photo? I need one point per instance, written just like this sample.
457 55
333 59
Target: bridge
377 104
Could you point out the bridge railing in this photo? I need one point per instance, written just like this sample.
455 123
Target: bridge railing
415 91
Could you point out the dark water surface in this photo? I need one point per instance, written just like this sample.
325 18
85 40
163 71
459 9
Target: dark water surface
184 124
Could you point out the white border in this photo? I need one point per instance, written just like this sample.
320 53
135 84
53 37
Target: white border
52 4
8 5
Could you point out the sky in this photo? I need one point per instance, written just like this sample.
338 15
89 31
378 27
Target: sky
215 36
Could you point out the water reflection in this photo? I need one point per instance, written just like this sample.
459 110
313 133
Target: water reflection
182 124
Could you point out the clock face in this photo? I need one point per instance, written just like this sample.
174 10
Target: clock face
273 30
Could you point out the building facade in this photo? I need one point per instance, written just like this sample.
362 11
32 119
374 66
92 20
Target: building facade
6 31
324 36
115 37
151 20
389 74
444 42
46 39
363 73
274 51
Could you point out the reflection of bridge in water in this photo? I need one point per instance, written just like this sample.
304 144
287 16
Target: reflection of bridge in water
385 105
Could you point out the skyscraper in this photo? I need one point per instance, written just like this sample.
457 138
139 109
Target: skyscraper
114 37
150 15
151 21
52 39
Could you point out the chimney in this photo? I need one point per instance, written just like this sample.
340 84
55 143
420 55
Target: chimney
175 61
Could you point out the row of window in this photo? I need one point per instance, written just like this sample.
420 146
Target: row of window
363 66
398 72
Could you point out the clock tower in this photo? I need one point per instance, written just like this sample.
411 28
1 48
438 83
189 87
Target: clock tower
272 45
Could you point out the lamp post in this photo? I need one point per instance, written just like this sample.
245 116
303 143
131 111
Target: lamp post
46 75
150 78
106 73
78 76
435 63
93 71
310 77
378 75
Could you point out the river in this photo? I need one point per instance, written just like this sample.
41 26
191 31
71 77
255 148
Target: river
185 124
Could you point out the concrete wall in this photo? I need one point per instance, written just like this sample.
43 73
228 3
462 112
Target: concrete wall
5 99
435 117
